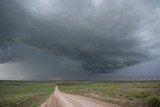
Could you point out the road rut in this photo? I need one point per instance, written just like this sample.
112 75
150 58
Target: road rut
59 99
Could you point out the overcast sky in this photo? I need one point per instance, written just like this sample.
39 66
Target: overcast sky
79 39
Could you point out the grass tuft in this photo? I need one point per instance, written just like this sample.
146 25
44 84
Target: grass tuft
153 102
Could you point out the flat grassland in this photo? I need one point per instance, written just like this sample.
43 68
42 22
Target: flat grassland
125 93
24 94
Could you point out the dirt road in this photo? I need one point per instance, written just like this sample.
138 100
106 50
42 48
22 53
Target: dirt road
59 99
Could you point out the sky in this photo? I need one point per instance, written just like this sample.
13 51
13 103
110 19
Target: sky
79 39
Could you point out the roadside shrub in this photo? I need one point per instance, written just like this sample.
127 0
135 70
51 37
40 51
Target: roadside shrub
153 102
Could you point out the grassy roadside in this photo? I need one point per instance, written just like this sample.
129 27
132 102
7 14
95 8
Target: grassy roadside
127 94
24 94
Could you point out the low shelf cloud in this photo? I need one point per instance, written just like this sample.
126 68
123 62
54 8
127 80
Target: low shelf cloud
51 39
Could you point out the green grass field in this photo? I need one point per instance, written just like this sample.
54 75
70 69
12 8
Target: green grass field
127 94
24 94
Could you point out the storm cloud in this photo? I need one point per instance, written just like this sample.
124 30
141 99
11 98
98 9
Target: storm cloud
80 36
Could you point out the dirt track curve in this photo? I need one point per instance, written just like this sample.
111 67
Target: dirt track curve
59 99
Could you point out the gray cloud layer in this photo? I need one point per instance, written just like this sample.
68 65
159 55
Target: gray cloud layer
96 36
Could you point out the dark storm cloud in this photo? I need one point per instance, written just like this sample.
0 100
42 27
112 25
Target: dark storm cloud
99 36
7 53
